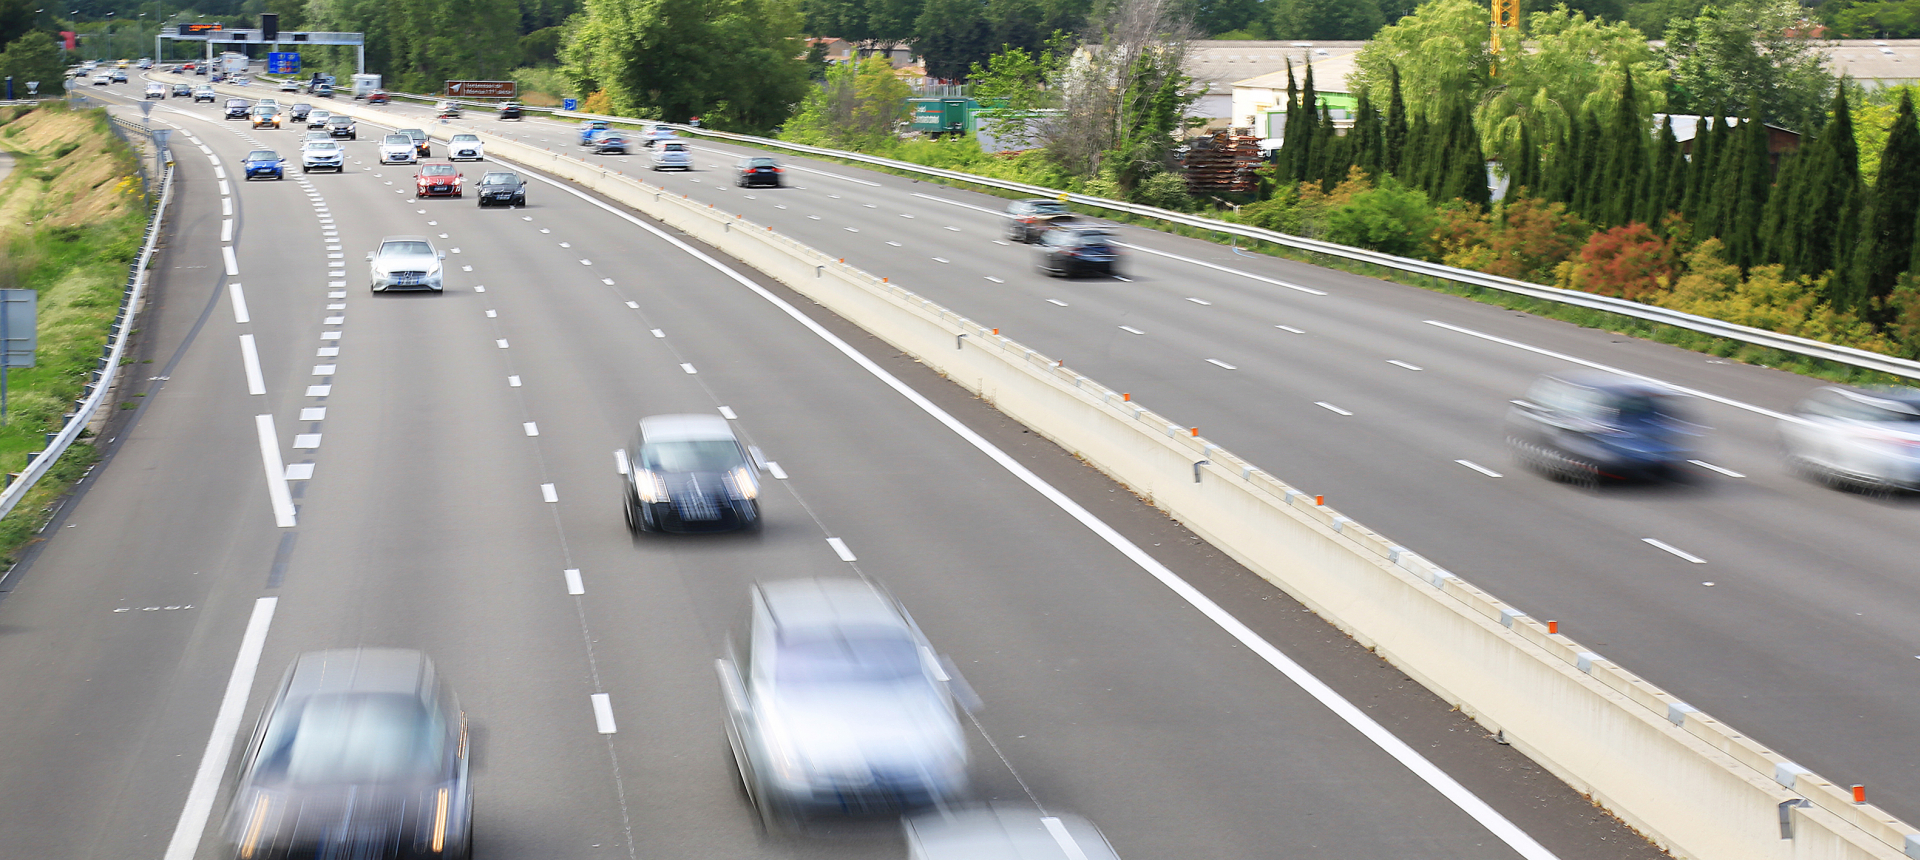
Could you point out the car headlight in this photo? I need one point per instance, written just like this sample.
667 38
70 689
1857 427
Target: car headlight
650 485
743 484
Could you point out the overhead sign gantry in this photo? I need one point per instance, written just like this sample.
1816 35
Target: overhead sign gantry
218 34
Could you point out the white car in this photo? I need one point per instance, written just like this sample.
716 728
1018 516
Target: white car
289 86
1867 439
102 80
405 263
672 155
156 91
655 134
396 149
322 155
465 146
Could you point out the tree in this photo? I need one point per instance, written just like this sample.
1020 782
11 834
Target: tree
1323 19
1014 88
857 108
1440 51
1889 19
1367 135
1665 180
1752 179
1627 262
1887 246
1829 188
1745 50
33 57
1623 158
1394 132
1101 81
656 59
1572 63
1214 17
953 36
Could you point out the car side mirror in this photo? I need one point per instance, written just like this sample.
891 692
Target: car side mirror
442 255
620 461
369 255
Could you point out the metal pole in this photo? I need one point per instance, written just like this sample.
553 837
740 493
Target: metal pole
360 53
6 359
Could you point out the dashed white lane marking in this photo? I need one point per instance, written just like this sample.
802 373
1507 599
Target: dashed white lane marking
1219 268
941 260
226 206
1712 468
501 343
306 440
233 265
840 549
1288 328
851 229
547 493
619 461
203 148
688 368
586 262
299 471
250 360
491 313
277 492
1331 408
319 390
905 215
607 281
1199 301
478 288
313 413
774 469
323 370
1676 551
953 228
1218 363
226 724
727 413
1123 280
239 303
1057 302
337 294
1478 468
1131 330
334 320
226 230
1398 363
327 351
995 280
895 244
531 428
566 245
813 217
574 585
603 713
219 172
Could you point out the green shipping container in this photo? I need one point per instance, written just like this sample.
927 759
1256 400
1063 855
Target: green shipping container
940 116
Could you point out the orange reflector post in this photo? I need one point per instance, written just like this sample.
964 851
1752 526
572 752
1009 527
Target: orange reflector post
1859 794
1553 627
1125 396
1319 500
1196 431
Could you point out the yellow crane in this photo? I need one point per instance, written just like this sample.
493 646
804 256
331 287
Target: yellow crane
1506 16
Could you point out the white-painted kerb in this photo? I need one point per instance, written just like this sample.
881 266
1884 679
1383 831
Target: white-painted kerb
250 362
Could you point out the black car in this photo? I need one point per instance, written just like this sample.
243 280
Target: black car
1028 219
757 170
363 753
182 91
342 126
689 473
608 142
510 110
502 189
298 113
421 145
238 108
1587 426
1069 251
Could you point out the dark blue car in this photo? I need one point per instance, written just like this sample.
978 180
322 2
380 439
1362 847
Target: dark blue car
1586 427
265 162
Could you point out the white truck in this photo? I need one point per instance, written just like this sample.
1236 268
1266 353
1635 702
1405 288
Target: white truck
233 63
363 84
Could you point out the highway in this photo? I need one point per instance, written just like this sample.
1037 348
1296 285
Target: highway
1781 607
449 462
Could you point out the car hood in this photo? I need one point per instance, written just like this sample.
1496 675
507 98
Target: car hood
854 731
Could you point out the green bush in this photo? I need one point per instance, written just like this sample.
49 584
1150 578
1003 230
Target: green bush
1391 219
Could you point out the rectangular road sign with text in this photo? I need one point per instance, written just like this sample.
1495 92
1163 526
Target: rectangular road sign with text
480 89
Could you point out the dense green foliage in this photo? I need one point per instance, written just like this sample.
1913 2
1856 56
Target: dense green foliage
737 64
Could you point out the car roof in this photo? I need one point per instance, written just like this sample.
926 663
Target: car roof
361 670
1891 399
385 239
829 602
677 428
1599 380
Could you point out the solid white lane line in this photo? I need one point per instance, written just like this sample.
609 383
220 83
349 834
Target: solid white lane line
1288 328
277 492
603 713
531 428
1726 401
1721 469
727 413
239 303
840 549
774 469
834 175
226 230
1676 551
250 361
1199 301
1478 468
233 265
1219 268
1331 408
1218 363
192 825
574 585
688 368
1398 363
1056 302
1131 330
547 493
513 382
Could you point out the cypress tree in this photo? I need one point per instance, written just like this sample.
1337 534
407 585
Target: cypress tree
1586 176
1560 180
1660 198
1523 176
1623 158
1329 153
1310 137
1289 135
1368 144
1396 131
1888 242
1693 198
1411 161
1752 178
1830 185
1777 235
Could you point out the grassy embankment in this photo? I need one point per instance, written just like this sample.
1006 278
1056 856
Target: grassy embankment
72 215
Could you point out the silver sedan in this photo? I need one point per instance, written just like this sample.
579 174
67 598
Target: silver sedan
405 263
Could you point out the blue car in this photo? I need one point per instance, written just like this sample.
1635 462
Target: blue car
265 162
1585 427
593 129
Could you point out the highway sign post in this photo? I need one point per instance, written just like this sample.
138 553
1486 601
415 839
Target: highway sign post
18 326
283 62
481 89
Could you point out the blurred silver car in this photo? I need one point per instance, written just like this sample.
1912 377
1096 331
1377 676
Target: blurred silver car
405 263
672 155
362 754
689 473
836 704
1869 439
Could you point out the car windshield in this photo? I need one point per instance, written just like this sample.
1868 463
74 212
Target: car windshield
844 656
1049 207
339 120
353 739
399 138
263 155
707 455
467 138
323 145
236 102
413 133
500 179
438 170
406 249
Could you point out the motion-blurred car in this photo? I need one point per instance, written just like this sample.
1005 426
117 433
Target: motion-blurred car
102 80
836 703
609 142
183 91
1069 251
689 473
436 179
446 109
205 94
299 112
342 126
422 146
593 128
264 163
673 155
289 86
119 77
510 110
317 135
1864 439
266 115
238 108
396 149
318 118
201 71
1003 830
1586 426
322 90
405 263
322 155
757 170
155 91
654 134
1028 219
379 97
501 188
466 146
362 753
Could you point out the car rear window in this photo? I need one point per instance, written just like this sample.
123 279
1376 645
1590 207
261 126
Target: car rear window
845 657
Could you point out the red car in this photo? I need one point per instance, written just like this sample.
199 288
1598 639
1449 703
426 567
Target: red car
378 97
187 67
438 179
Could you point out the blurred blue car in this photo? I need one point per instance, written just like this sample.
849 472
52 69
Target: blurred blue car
1586 427
593 129
265 162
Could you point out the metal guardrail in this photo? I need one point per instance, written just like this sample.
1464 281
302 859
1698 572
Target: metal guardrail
96 391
